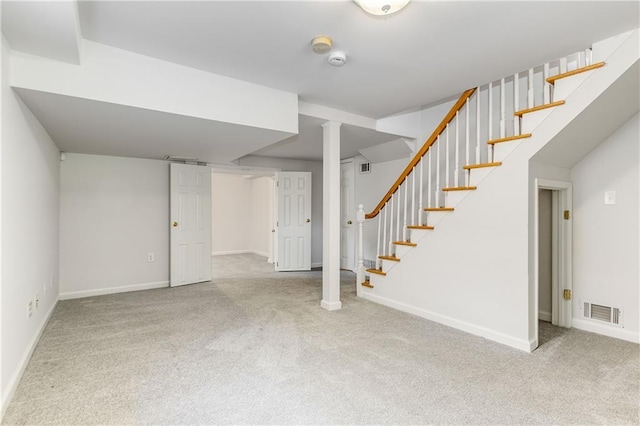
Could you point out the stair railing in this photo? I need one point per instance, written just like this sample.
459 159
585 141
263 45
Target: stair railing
479 116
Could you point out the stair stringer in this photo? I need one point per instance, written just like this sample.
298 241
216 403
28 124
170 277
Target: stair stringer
474 271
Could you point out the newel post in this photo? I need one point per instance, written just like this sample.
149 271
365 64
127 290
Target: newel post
360 270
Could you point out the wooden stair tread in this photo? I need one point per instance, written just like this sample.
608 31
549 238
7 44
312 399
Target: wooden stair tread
509 138
538 108
376 271
553 79
366 284
438 209
461 188
480 166
392 258
420 227
404 243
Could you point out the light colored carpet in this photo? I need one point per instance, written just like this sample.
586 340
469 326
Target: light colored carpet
254 347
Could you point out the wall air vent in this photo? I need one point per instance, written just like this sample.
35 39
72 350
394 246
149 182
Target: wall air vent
602 313
365 167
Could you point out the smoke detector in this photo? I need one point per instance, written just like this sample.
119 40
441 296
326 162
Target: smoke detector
337 59
321 44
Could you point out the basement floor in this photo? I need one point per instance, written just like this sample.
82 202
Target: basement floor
254 347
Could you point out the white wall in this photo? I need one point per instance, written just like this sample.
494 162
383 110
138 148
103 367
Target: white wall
230 213
606 237
288 165
260 239
30 175
242 214
114 211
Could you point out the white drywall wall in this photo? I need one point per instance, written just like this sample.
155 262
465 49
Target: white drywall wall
230 213
605 237
30 176
114 211
289 165
261 216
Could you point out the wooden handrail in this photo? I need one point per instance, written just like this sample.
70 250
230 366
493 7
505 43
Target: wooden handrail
416 159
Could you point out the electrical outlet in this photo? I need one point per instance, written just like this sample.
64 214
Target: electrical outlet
151 257
30 309
37 300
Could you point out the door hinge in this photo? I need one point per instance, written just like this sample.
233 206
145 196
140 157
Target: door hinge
567 215
567 295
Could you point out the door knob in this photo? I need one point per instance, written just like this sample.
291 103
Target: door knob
174 224
308 220
349 222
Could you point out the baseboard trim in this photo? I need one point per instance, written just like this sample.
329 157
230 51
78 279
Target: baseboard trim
523 345
113 290
544 316
316 265
15 379
606 330
228 252
331 306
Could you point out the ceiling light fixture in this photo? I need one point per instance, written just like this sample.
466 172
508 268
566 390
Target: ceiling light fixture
382 7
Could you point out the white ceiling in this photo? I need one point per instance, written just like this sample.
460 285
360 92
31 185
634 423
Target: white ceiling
101 128
428 52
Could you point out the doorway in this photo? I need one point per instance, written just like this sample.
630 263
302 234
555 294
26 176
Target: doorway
553 253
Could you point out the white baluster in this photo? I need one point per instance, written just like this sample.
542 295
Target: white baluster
530 99
503 112
581 59
546 91
456 173
477 126
428 186
413 195
404 212
398 213
490 120
447 159
466 146
588 56
378 253
516 103
393 202
384 232
360 270
563 65
438 188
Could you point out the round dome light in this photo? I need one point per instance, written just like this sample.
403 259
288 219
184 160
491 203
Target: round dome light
382 7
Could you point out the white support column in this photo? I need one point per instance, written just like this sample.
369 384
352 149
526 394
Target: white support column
331 216
361 270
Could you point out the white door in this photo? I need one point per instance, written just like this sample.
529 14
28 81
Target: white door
347 215
294 221
190 200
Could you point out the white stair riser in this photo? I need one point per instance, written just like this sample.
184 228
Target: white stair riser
417 234
401 250
565 86
387 265
434 217
453 198
502 150
478 175
531 120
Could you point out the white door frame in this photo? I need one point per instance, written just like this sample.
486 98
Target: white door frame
561 263
352 228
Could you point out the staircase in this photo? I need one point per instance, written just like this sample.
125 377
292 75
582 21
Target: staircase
453 231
